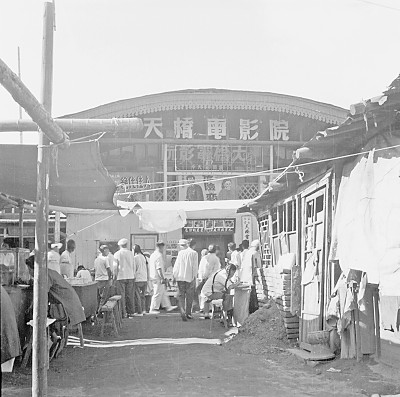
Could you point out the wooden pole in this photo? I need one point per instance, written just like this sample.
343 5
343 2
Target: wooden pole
375 298
21 134
40 350
165 171
357 324
271 162
26 99
84 126
39 345
21 233
57 226
21 223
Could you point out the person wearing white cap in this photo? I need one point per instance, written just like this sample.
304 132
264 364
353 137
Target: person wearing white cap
185 273
125 275
53 257
156 275
251 262
247 275
102 274
7 259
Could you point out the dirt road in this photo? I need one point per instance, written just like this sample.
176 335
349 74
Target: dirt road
190 369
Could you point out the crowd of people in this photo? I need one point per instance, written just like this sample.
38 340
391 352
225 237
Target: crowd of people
141 279
144 281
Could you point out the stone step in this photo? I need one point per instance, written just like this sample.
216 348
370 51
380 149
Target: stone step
290 320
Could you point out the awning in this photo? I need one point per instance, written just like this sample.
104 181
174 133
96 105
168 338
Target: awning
77 176
164 217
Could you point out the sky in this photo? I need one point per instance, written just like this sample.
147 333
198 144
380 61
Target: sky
332 51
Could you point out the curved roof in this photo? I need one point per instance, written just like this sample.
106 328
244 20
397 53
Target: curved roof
217 99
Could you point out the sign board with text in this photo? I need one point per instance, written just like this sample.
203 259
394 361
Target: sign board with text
210 226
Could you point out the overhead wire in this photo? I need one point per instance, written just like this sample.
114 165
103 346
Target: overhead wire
264 172
91 225
380 5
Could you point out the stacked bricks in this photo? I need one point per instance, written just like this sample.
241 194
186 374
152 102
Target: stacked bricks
279 287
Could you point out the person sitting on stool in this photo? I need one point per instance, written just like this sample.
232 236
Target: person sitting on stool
218 286
59 289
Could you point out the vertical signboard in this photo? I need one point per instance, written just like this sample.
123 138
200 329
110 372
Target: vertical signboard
246 227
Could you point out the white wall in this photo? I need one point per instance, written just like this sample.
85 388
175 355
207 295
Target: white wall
88 230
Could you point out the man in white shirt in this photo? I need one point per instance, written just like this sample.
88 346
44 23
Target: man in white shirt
245 248
7 259
246 300
156 275
209 264
218 286
125 276
53 257
102 274
251 262
66 265
236 258
185 273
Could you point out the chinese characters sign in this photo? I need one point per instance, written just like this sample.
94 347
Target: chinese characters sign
217 158
248 129
247 126
172 247
131 182
217 128
210 226
183 128
246 227
278 130
153 125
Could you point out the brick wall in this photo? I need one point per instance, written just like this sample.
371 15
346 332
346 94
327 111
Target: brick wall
278 286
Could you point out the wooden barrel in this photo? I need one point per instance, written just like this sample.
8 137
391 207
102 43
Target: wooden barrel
318 337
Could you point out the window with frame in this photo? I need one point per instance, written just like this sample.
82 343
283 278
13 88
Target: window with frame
283 229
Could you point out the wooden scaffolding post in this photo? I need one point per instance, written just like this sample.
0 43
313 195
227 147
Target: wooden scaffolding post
357 323
377 318
40 351
165 172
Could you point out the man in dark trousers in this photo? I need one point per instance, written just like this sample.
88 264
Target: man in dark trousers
185 273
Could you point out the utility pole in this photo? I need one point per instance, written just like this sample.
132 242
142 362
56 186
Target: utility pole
41 118
21 134
40 351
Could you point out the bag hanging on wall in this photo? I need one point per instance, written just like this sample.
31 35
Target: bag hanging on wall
253 304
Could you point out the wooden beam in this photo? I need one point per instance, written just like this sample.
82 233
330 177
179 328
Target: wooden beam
21 94
84 126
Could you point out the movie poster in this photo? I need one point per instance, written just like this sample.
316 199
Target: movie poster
207 188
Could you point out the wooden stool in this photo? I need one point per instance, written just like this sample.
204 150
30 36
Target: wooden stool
117 309
218 303
80 333
108 311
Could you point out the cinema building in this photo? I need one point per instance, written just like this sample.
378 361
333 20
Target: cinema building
198 145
